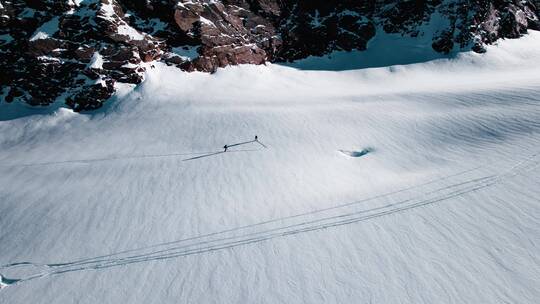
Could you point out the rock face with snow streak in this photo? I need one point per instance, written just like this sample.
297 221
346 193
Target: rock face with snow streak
229 33
51 46
74 51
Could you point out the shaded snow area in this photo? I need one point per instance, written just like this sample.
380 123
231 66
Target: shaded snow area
384 50
186 53
139 203
46 30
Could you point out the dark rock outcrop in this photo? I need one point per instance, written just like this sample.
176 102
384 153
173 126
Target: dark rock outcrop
74 51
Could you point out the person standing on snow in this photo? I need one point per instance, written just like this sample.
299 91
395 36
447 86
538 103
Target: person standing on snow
225 148
256 138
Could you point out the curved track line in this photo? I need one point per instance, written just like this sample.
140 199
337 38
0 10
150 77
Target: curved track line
285 229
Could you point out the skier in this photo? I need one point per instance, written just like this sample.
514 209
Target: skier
256 138
225 148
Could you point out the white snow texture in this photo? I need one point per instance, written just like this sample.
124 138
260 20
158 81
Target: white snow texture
403 184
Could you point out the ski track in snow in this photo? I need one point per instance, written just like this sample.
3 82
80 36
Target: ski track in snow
300 223
145 180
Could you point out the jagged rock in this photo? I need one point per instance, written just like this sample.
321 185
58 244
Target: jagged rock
91 97
80 49
444 44
513 22
229 33
84 53
41 47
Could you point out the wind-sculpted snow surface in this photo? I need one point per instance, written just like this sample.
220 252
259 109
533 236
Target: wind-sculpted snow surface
300 223
139 202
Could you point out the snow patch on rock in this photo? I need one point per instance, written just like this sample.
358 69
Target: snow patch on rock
96 62
186 52
46 30
129 31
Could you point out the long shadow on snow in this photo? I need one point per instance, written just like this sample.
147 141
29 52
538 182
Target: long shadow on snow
122 157
83 161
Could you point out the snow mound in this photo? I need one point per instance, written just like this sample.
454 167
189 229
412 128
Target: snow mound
356 153
5 282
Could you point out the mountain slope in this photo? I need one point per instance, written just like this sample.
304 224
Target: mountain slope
136 203
73 52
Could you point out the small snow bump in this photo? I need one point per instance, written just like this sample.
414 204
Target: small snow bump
358 153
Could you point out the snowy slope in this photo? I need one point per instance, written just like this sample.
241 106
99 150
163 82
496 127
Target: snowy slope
136 204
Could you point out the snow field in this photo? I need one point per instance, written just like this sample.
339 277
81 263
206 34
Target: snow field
136 203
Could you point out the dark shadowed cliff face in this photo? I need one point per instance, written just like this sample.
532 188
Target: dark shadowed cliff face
74 51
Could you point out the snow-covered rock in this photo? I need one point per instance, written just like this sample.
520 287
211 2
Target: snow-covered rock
129 34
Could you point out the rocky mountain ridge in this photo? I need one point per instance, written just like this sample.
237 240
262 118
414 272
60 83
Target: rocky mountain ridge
74 51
